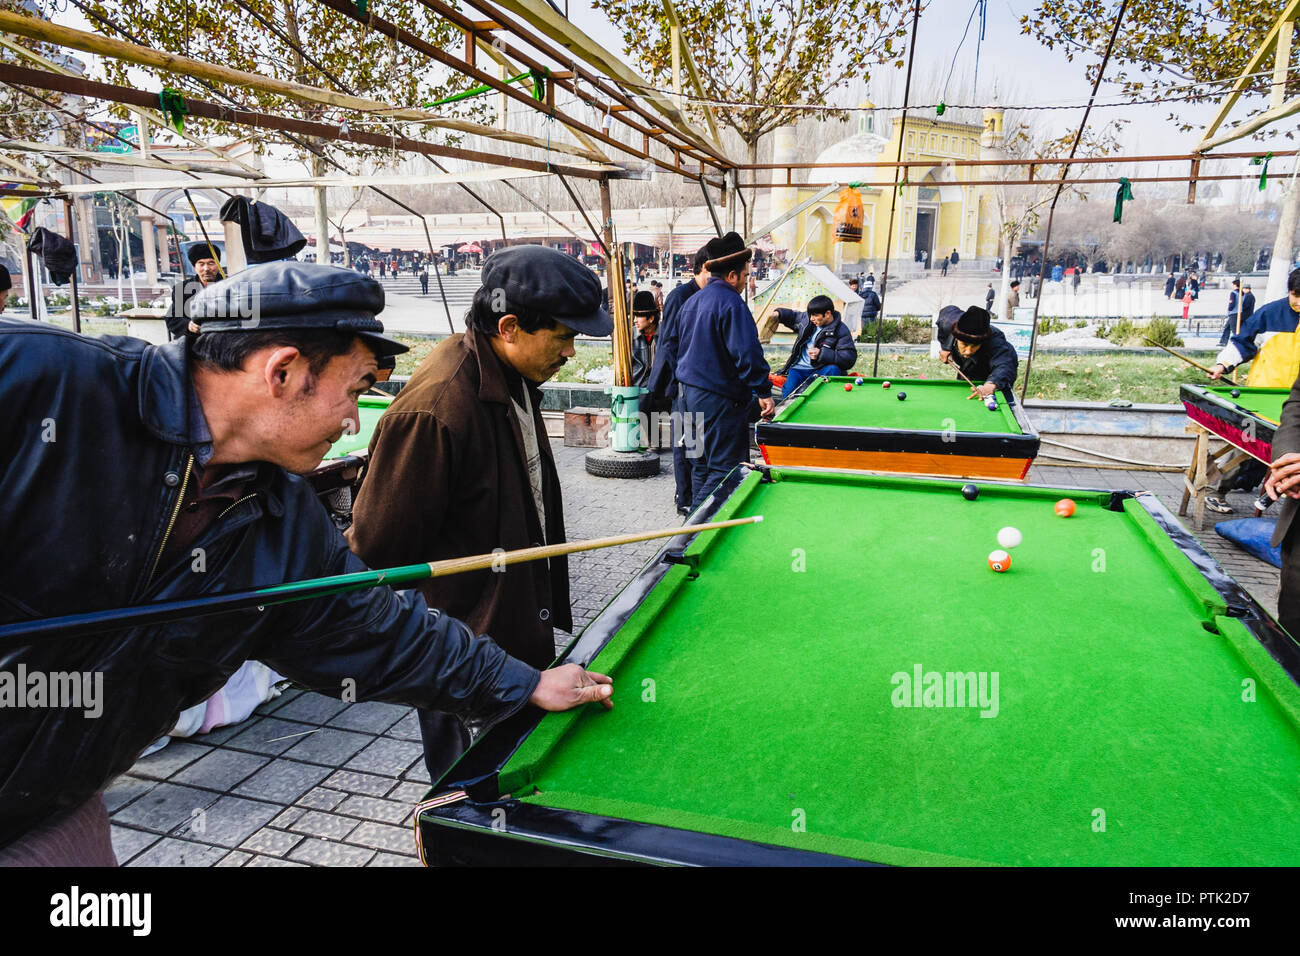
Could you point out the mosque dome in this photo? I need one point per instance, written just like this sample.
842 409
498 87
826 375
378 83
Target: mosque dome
849 155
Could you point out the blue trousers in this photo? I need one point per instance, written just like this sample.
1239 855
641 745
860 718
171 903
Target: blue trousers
796 376
724 438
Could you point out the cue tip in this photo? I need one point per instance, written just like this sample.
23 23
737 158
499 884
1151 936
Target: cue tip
757 518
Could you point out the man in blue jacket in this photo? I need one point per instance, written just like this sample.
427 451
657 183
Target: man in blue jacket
664 386
137 473
978 349
721 366
824 344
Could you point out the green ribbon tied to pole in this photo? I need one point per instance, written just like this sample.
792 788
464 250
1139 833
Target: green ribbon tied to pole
939 110
538 76
173 107
1124 192
1263 173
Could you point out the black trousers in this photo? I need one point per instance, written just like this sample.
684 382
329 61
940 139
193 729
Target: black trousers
685 448
724 440
1288 599
445 739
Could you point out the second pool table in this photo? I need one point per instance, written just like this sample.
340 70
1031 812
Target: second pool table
849 682
337 478
936 430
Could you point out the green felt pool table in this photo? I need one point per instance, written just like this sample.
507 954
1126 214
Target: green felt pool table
937 429
849 682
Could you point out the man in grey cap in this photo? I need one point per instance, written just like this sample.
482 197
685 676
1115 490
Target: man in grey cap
139 473
460 463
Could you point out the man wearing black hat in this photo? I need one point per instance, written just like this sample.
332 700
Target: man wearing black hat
182 462
645 317
824 344
664 386
207 270
979 350
460 463
721 366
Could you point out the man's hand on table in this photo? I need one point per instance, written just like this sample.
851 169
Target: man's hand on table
569 686
766 408
985 390
1284 477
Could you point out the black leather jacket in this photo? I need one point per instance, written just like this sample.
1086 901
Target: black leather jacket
835 341
93 440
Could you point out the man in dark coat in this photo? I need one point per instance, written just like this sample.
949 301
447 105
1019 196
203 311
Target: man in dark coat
664 386
424 280
460 463
1169 285
645 317
721 366
183 461
824 344
870 304
978 349
207 271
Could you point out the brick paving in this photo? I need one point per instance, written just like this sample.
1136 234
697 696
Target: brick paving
311 781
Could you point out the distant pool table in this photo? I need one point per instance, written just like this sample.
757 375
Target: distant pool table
337 478
935 430
849 682
1248 420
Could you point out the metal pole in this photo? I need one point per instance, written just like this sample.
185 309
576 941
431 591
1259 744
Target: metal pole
76 304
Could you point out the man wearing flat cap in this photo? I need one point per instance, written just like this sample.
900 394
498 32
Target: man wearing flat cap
139 473
721 366
978 349
205 258
460 463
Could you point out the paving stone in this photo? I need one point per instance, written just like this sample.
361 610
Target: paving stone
330 747
220 735
229 821
326 853
382 837
409 793
164 763
287 817
372 717
282 781
311 708
172 852
272 736
271 842
270 861
320 824
387 756
165 807
419 773
234 858
354 782
321 798
408 728
125 789
392 859
373 808
219 770
128 842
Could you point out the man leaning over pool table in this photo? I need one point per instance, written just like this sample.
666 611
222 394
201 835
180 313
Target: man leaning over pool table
137 473
983 353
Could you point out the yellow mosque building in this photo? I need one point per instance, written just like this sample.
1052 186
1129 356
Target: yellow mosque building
934 214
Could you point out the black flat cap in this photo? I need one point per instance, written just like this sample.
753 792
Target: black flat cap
295 295
973 326
727 252
547 282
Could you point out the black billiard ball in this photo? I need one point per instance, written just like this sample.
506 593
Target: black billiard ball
970 492
902 396
1236 393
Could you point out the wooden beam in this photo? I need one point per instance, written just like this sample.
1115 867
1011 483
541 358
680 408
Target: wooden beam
1287 17
329 182
36 29
201 109
1251 125
122 159
676 28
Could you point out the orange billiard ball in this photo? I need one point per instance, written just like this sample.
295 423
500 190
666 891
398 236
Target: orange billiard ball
1065 507
848 388
1000 561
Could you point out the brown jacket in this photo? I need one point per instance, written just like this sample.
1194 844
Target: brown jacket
448 478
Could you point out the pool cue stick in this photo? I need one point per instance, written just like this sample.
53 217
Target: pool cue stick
75 625
1222 378
963 375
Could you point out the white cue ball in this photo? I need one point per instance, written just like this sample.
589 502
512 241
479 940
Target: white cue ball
1009 537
